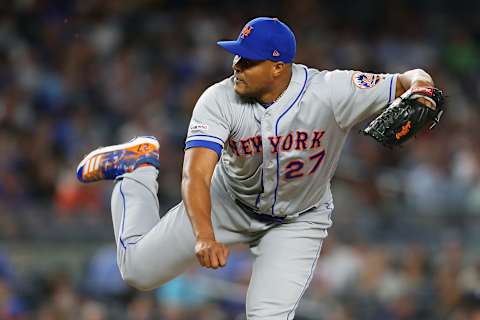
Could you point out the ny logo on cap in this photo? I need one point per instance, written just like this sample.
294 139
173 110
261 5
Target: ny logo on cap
246 32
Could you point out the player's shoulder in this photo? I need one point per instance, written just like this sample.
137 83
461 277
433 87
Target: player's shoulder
327 76
220 99
215 94
323 79
354 78
221 91
216 90
342 80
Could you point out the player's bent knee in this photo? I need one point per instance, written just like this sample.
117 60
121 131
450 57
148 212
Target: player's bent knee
137 283
135 277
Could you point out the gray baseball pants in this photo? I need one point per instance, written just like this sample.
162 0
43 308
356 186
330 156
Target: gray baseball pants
152 251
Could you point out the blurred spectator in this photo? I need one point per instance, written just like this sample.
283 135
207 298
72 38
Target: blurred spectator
468 308
91 310
11 306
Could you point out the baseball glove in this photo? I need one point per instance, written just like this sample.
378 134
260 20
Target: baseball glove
406 116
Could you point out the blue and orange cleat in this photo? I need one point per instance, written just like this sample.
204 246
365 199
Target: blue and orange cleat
107 163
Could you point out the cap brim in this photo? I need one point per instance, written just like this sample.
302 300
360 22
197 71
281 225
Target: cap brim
236 48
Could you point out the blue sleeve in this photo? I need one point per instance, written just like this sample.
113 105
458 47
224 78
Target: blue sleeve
205 144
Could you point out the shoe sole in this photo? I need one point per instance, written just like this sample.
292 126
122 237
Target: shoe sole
132 143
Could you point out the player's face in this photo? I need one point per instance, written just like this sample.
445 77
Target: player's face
252 78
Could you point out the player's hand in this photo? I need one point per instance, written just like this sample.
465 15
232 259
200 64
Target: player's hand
211 254
426 103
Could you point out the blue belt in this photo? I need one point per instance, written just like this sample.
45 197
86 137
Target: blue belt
257 215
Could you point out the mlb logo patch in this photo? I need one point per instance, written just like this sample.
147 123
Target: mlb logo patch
199 127
366 80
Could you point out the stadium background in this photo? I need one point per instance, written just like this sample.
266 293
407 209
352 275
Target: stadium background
78 74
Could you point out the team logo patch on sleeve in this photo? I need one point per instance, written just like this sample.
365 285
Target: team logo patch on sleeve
366 80
199 127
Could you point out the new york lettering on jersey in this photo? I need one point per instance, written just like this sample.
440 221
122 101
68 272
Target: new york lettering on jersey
298 140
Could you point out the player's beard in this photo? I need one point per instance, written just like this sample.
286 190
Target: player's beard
241 89
244 91
245 97
239 85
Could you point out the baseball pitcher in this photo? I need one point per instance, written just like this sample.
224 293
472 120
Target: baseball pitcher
261 149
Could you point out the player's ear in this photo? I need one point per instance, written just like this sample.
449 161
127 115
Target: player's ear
278 68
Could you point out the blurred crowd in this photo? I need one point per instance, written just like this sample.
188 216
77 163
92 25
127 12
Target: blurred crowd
75 75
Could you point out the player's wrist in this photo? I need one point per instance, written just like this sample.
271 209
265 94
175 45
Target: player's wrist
422 83
205 236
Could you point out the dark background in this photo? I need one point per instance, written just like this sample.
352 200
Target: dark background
78 74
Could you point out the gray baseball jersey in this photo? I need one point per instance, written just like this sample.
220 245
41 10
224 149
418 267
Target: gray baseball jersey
280 160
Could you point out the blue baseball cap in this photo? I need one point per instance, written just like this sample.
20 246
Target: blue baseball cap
263 39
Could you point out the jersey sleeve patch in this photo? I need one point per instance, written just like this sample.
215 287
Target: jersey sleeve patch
205 144
365 80
196 127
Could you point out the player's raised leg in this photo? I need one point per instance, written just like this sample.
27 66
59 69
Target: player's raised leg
149 253
150 250
285 259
